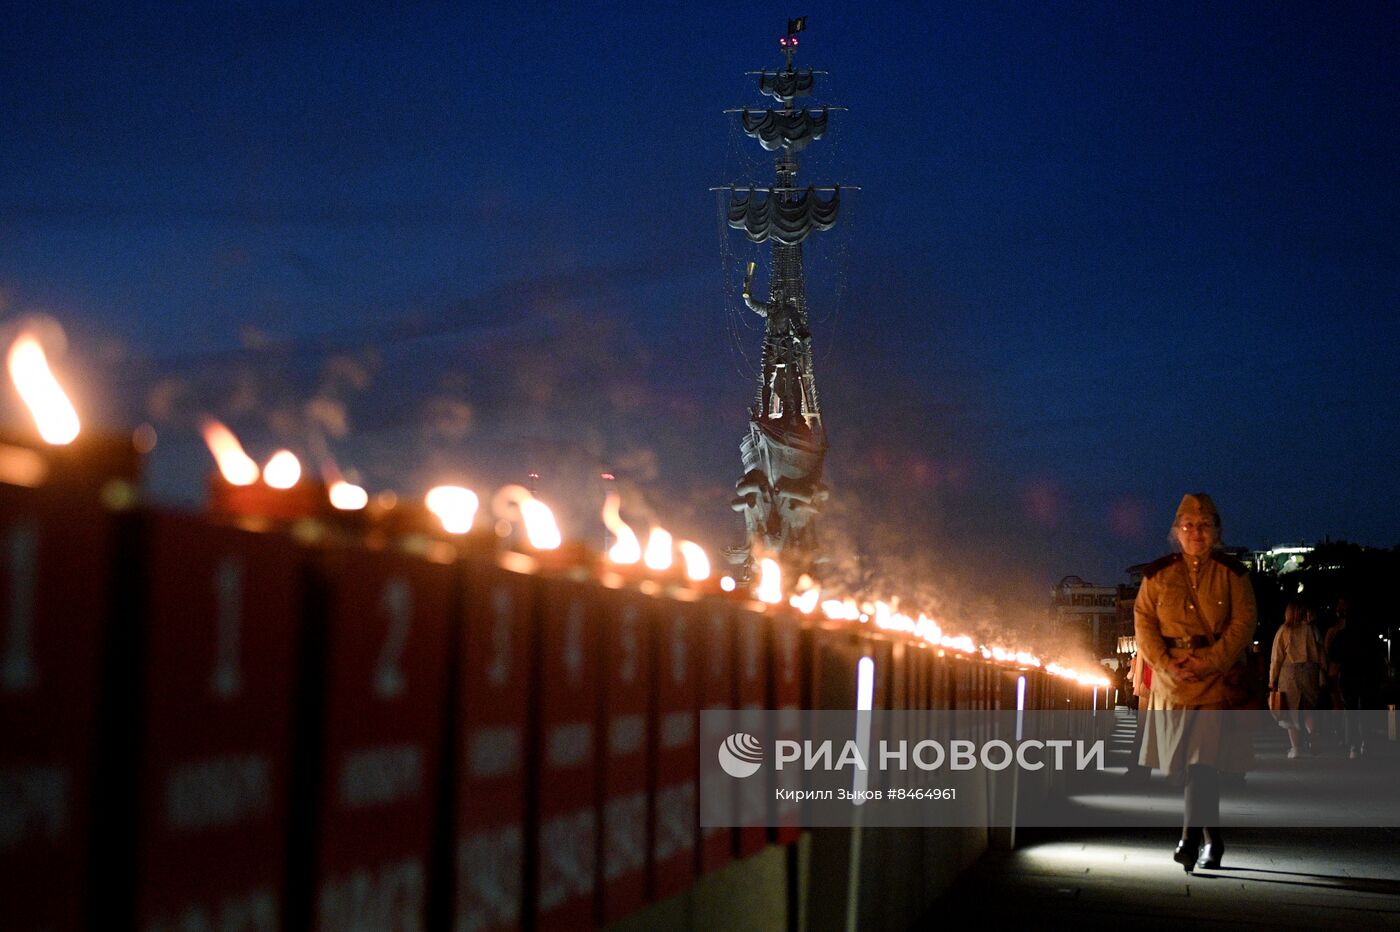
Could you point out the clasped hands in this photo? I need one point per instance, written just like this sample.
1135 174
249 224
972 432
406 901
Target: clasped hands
1188 669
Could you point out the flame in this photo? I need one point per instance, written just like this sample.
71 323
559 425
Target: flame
1068 673
928 629
887 613
53 412
541 530
841 610
807 595
454 506
659 550
346 496
806 603
770 582
236 466
1020 658
697 562
282 471
540 526
627 549
961 643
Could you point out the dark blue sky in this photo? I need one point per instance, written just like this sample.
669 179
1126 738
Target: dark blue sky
1103 255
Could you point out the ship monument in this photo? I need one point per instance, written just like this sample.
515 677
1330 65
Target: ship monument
781 491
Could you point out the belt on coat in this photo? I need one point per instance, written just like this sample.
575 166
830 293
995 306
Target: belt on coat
1196 640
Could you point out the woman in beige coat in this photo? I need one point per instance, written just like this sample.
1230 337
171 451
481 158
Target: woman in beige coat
1297 668
1194 618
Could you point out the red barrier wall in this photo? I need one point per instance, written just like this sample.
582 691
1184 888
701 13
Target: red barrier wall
55 562
221 637
627 630
788 646
672 828
750 694
566 793
387 630
494 697
716 684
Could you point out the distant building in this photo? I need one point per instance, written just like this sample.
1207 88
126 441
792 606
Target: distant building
1127 595
1088 613
1280 559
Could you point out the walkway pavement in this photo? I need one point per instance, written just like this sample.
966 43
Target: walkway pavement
1271 878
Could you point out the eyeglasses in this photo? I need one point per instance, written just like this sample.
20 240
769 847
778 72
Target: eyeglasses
1189 526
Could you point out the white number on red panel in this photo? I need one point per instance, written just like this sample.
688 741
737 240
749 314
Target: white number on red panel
17 672
226 681
396 602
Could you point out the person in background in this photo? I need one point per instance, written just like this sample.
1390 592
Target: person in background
1140 684
1355 668
1298 670
1193 618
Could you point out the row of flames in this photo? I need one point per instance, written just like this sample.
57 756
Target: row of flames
457 509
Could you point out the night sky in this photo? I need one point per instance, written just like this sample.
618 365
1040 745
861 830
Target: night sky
1102 255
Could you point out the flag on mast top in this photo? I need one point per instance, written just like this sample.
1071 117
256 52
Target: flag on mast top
796 25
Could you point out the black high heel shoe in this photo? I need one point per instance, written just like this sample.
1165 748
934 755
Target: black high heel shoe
1186 851
1213 851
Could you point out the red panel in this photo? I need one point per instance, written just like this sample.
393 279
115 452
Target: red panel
899 676
626 649
889 683
568 697
959 693
952 681
716 637
222 621
388 639
674 856
901 700
751 683
833 668
54 601
883 653
919 677
785 698
490 798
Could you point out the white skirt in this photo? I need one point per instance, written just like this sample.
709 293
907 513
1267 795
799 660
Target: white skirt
1174 738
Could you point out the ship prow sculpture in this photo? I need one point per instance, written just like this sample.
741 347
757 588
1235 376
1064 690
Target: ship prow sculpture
781 492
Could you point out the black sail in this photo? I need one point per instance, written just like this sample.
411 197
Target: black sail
775 129
786 85
783 220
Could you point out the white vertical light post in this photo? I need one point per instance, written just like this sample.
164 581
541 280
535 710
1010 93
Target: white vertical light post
1020 705
865 703
1016 771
